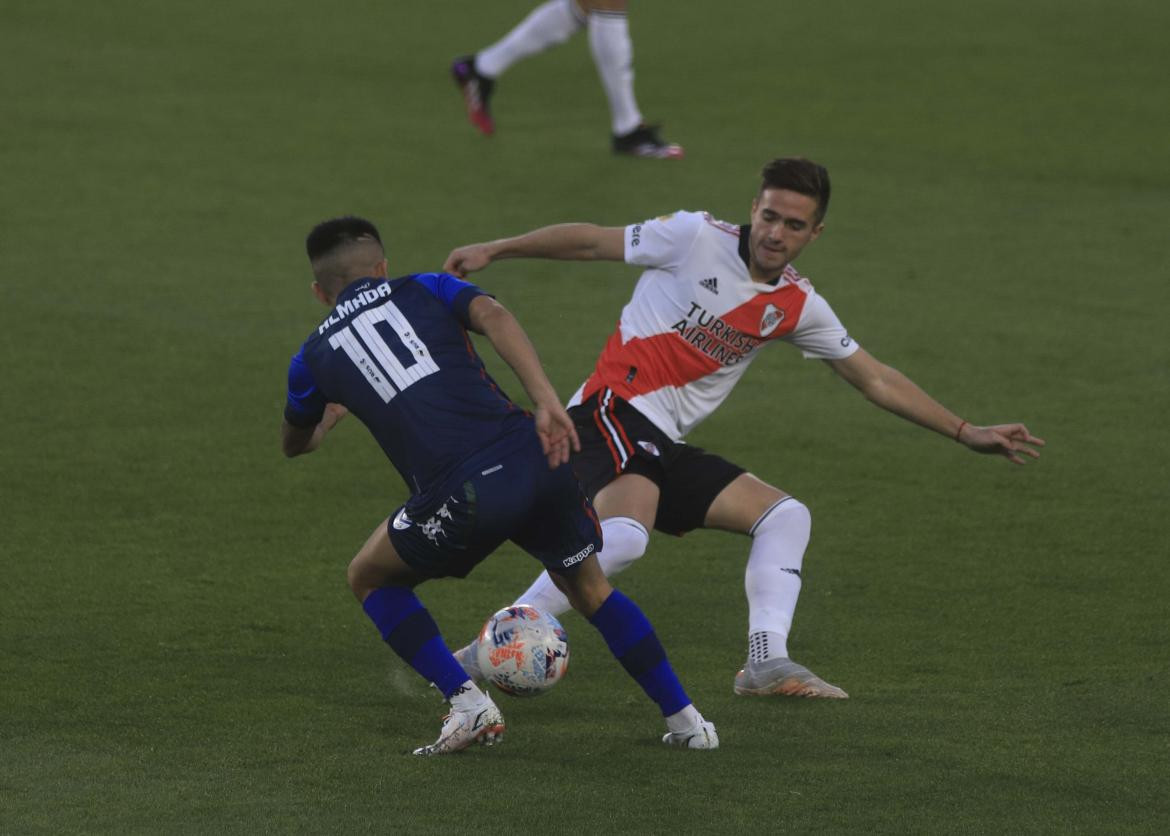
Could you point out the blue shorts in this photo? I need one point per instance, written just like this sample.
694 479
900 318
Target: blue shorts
504 492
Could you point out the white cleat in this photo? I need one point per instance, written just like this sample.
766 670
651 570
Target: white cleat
699 736
482 724
785 678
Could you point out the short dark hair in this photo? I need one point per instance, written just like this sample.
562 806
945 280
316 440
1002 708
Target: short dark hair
327 236
796 174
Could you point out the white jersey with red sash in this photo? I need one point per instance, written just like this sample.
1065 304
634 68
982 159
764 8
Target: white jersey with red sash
697 320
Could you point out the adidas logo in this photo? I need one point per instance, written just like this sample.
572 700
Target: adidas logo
712 284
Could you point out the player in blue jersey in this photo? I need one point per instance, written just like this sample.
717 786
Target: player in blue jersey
480 470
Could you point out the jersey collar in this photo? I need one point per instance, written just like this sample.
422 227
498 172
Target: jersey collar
745 237
358 285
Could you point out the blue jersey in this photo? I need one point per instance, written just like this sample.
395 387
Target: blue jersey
395 353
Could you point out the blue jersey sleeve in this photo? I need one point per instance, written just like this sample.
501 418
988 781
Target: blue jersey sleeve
452 291
305 404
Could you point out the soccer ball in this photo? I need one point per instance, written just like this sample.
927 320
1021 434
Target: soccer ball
523 651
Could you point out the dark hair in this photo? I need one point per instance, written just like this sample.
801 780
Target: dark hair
329 235
796 174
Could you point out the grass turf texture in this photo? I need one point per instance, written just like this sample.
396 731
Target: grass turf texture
178 651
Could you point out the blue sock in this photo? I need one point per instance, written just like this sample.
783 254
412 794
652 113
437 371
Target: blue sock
632 641
410 631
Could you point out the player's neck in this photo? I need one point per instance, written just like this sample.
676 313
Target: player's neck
766 276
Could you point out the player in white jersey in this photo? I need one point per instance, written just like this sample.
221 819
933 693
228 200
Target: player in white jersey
711 297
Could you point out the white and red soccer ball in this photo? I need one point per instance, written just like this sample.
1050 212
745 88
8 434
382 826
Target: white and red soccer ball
523 651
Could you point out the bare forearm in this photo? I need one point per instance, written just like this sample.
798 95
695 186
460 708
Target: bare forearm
898 394
576 241
514 347
893 391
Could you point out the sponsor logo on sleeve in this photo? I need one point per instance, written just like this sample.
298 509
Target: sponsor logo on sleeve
636 235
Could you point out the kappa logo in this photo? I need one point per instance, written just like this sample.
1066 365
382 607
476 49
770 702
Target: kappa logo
578 557
433 528
401 522
712 284
771 320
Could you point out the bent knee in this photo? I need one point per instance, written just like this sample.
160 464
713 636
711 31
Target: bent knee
625 536
788 512
363 577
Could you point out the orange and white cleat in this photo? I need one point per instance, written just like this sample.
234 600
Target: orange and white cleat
483 724
784 678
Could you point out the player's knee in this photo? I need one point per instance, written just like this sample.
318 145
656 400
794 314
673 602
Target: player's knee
362 581
624 541
789 514
586 587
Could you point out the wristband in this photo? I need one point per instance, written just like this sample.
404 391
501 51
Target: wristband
959 431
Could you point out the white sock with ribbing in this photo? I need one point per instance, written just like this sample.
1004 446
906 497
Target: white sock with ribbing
613 54
772 579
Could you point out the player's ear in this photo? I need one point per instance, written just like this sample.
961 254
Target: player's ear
816 233
382 270
320 293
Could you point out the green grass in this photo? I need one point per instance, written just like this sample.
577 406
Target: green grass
178 651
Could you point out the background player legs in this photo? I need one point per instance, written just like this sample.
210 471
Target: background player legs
384 585
549 24
552 23
613 55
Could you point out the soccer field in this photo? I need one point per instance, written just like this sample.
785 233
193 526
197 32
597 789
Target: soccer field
179 652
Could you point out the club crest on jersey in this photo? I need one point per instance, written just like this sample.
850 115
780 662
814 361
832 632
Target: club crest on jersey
649 447
401 521
771 320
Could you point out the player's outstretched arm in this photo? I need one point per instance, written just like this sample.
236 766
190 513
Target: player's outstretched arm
573 242
296 441
553 424
893 391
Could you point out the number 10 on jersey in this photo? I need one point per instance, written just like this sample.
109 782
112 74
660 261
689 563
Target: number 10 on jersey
380 362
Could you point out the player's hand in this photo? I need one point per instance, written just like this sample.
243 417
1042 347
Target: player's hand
557 434
1008 440
334 412
464 260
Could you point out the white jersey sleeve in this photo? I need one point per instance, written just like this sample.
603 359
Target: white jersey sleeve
819 334
662 242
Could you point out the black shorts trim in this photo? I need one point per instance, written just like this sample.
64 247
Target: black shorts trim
616 439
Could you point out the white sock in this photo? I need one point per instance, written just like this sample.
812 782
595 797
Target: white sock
548 24
624 539
467 698
613 54
687 718
772 579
